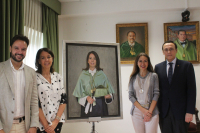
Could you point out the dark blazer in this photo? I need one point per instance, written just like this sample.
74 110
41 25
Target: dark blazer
180 96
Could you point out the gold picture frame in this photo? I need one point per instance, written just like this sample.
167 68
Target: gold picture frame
186 51
127 55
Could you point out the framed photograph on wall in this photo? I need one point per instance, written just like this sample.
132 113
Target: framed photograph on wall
133 39
92 79
186 36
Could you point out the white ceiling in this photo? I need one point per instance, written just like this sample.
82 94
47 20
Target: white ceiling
78 0
73 0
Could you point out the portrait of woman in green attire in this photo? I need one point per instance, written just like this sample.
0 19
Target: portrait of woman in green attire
93 89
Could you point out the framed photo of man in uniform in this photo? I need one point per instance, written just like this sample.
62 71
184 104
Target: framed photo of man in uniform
186 36
133 39
91 71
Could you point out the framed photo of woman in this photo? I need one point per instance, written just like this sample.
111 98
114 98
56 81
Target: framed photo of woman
92 80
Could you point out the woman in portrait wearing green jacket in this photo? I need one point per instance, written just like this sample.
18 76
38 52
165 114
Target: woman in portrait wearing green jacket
93 89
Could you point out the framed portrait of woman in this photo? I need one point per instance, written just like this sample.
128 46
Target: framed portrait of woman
92 79
186 36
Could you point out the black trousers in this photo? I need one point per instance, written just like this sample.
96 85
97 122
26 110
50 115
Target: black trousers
99 110
170 125
57 129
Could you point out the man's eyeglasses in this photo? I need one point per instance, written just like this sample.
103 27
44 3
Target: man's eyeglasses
166 50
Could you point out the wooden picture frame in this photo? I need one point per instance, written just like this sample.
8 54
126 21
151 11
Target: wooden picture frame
74 61
128 52
188 49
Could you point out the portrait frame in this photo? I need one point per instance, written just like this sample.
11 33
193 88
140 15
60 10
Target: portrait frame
192 33
72 70
141 30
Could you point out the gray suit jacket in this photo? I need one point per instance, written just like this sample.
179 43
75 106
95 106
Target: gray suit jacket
7 95
153 92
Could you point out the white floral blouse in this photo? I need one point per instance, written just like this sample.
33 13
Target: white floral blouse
51 95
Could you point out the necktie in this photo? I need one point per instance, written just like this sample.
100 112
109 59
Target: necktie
170 73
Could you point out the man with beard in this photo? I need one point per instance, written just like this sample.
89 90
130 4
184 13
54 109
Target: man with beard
18 97
130 48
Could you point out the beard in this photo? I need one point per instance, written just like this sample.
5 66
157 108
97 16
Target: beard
14 57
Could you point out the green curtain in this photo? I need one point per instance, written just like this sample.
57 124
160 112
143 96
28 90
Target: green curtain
11 24
50 32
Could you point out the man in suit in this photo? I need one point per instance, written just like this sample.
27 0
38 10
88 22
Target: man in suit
18 98
177 91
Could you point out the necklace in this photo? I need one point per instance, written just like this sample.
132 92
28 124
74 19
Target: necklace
132 51
141 85
93 89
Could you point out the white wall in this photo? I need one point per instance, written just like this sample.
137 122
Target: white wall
95 21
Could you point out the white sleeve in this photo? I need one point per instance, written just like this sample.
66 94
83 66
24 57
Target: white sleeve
111 98
82 101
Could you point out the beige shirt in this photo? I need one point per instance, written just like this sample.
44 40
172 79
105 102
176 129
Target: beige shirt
142 83
19 85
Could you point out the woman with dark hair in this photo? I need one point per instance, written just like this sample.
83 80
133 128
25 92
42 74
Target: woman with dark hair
93 89
144 93
51 92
